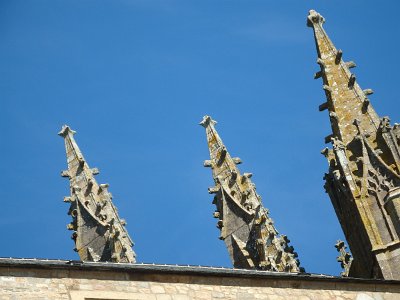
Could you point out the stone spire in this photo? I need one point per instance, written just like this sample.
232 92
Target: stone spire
248 231
363 181
98 232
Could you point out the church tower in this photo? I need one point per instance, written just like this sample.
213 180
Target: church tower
363 181
246 228
98 232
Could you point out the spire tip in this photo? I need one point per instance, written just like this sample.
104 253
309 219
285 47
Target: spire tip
207 120
314 18
64 131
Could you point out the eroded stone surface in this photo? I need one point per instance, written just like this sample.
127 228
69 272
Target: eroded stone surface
98 231
72 283
363 181
248 231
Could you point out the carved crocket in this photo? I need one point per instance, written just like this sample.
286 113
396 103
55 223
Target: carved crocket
363 181
248 231
98 232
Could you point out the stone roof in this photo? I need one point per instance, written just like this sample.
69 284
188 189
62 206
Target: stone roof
35 263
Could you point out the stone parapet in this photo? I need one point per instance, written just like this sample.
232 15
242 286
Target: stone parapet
36 279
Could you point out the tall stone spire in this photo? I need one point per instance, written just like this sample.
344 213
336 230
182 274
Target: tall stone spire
98 232
363 181
248 231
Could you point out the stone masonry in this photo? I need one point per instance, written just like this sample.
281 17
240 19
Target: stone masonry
46 279
363 181
98 231
246 227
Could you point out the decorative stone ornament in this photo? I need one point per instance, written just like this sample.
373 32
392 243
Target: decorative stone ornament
98 232
364 166
245 226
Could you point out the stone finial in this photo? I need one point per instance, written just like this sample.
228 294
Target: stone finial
65 129
207 120
344 258
314 18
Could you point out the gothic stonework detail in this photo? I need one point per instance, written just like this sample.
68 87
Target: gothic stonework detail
98 232
344 258
363 181
245 226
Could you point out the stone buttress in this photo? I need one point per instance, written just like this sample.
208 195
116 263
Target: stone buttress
98 232
248 231
363 181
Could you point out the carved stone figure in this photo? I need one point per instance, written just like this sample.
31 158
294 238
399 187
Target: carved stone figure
246 228
363 181
98 232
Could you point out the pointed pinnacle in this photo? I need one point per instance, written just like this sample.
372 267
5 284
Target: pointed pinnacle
65 129
207 120
344 95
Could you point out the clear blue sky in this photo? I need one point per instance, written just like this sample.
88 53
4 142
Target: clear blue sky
134 78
